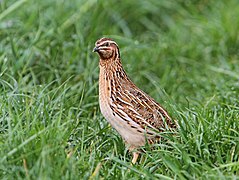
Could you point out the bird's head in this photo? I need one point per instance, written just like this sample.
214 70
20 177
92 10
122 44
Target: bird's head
107 49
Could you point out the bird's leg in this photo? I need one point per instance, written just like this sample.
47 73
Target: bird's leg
134 152
135 157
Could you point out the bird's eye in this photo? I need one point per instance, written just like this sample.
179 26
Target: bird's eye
107 44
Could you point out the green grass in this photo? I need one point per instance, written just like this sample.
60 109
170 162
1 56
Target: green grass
185 54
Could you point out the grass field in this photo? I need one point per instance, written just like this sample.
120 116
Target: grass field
185 54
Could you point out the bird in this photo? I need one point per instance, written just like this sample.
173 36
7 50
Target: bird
136 116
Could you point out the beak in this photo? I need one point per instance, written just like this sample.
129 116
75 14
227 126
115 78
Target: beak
96 49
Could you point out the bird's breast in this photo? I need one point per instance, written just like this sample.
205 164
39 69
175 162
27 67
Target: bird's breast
131 136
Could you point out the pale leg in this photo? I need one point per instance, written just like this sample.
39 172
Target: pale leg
135 157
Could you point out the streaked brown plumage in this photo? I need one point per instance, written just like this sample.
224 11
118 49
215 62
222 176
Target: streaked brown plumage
135 115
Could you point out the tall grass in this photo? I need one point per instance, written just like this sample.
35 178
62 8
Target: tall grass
183 53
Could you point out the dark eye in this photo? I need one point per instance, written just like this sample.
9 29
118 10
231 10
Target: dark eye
107 44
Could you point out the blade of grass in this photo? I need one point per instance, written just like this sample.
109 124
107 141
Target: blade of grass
12 8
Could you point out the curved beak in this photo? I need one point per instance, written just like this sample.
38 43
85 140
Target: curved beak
96 49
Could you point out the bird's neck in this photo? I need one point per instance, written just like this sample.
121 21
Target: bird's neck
111 64
112 68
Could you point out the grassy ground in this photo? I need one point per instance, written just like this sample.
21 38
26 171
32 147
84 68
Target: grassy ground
185 54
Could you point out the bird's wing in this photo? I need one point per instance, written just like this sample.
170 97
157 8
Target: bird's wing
133 104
